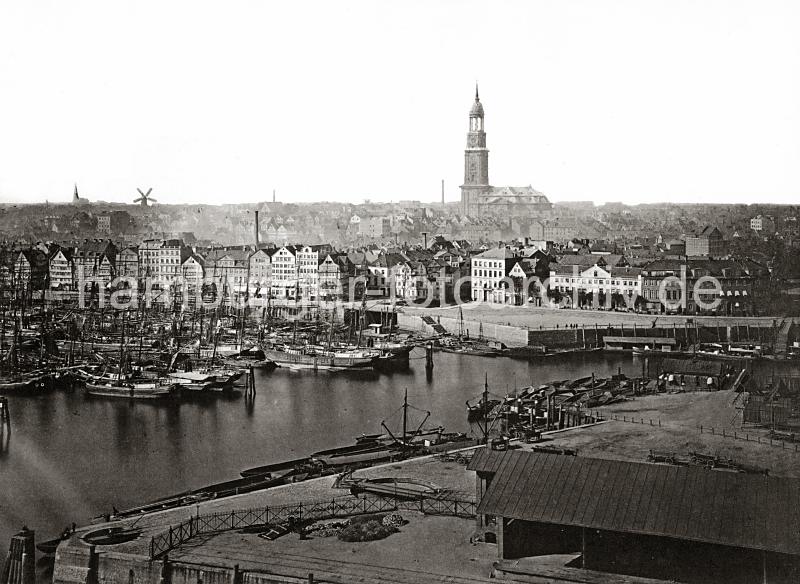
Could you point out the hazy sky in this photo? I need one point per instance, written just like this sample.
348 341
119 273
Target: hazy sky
633 101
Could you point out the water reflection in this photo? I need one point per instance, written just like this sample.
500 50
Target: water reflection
115 452
5 440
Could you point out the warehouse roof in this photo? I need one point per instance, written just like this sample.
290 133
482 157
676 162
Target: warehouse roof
691 503
485 460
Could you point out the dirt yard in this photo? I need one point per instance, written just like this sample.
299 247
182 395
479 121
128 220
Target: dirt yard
636 431
426 549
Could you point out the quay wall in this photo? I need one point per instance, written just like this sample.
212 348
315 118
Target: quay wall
84 565
589 336
684 335
510 335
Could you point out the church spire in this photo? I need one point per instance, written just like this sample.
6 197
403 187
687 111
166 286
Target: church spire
476 161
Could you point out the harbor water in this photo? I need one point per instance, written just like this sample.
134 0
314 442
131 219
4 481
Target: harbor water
71 457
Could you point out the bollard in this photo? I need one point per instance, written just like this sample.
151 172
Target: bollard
19 565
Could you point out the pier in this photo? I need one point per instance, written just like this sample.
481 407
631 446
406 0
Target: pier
219 538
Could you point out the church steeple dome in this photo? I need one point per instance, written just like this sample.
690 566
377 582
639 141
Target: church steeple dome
477 107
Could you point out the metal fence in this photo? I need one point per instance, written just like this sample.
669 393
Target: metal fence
314 510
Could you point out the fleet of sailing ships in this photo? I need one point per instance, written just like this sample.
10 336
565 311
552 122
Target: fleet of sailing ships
156 355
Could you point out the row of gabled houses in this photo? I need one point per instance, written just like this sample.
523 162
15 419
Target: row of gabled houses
505 274
287 272
56 266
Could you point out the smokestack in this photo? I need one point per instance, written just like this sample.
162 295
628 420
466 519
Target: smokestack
442 192
256 227
273 195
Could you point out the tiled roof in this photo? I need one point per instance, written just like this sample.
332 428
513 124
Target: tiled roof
499 253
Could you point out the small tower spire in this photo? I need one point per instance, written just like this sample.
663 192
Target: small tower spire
75 196
476 92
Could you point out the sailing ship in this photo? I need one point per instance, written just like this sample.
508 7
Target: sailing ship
218 379
319 358
123 384
129 388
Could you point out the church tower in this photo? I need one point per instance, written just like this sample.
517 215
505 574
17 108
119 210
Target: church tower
476 161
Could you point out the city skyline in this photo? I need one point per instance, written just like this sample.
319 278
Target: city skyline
671 102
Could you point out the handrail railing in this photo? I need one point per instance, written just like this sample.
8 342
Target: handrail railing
337 507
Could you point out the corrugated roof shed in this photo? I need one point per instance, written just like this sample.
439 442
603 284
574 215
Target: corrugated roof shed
692 503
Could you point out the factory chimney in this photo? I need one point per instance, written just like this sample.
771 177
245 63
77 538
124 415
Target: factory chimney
442 192
256 234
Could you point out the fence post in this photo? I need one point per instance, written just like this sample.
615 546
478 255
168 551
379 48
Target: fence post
170 537
152 547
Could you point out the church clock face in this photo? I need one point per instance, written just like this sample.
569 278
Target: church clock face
473 141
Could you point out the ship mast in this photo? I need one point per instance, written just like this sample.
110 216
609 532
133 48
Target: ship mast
486 409
121 349
405 416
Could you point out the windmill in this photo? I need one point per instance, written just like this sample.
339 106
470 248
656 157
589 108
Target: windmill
145 197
